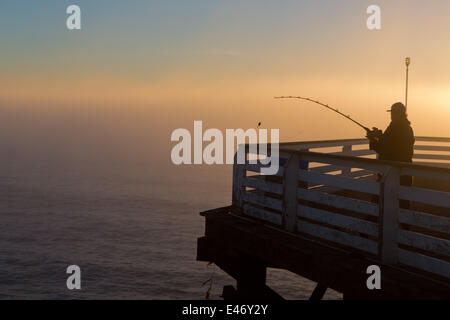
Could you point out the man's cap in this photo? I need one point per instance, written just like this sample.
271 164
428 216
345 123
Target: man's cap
397 107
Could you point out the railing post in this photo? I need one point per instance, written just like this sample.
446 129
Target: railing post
261 193
389 204
304 184
346 148
238 180
290 193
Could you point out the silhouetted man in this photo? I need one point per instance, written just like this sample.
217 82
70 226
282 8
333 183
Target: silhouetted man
396 143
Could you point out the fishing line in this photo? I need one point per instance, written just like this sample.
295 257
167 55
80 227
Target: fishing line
288 138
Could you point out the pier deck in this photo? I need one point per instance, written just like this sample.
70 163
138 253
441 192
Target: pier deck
328 216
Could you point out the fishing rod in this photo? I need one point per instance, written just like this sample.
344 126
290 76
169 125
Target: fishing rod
328 107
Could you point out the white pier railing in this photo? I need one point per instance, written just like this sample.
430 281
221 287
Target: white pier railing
344 198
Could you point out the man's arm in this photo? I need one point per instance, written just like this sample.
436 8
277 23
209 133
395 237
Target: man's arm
374 137
382 142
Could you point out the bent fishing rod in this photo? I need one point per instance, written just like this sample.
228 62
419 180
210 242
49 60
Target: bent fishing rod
328 107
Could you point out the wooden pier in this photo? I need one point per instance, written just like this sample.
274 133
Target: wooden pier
330 212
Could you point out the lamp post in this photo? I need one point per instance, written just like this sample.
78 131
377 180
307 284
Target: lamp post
407 63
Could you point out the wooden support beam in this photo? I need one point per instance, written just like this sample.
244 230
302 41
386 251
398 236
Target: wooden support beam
230 236
250 274
319 292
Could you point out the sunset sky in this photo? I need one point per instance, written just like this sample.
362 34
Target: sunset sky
222 62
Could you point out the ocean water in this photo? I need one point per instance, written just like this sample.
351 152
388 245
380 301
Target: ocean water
131 230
